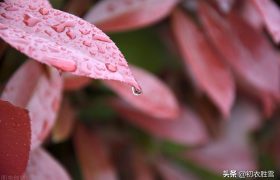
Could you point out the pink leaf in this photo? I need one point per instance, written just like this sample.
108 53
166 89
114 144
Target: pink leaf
211 75
187 129
39 90
93 156
73 82
64 41
234 140
65 122
15 135
169 171
152 101
122 15
252 59
250 13
225 5
140 166
42 166
271 16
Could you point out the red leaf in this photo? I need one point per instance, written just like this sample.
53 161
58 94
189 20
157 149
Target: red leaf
152 101
39 90
15 135
232 150
65 122
64 41
271 16
73 82
187 129
122 15
253 60
93 157
169 171
42 166
211 75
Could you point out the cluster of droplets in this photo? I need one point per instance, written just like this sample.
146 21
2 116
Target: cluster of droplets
67 26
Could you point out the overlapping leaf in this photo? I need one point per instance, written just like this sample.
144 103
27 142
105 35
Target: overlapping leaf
157 101
62 40
170 171
65 122
121 15
210 73
15 135
42 166
271 15
73 82
253 60
93 156
37 89
187 129
234 140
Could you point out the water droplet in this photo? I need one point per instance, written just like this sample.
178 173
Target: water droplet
3 27
136 91
87 43
44 11
62 64
48 33
4 15
111 68
61 27
11 8
101 38
101 49
70 34
31 7
29 20
84 31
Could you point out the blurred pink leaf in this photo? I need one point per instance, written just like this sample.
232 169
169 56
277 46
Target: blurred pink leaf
42 166
157 99
169 171
187 129
73 82
62 40
140 166
250 13
93 156
233 149
271 16
252 59
37 89
211 75
65 122
122 15
15 135
225 5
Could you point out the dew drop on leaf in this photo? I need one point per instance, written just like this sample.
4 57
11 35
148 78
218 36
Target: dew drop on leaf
111 67
135 91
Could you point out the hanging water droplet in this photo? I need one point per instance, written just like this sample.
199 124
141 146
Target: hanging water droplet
111 68
136 91
43 11
29 20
